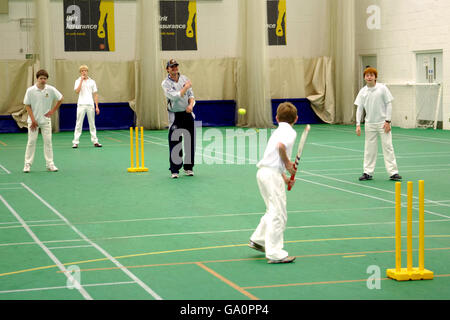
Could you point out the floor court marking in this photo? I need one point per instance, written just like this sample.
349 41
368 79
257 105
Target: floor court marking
345 254
352 173
60 266
4 169
100 249
379 171
334 147
57 288
323 282
216 232
228 282
206 248
374 188
231 215
363 194
412 137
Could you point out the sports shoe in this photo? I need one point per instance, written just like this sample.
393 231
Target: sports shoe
288 259
97 145
256 246
27 168
189 173
395 177
365 176
52 168
75 146
174 176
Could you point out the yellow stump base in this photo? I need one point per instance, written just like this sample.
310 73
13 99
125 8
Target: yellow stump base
141 169
414 274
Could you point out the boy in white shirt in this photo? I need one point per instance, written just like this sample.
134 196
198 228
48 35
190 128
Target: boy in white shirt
86 88
268 236
38 101
375 98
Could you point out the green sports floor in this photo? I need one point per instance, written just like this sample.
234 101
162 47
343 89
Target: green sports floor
145 236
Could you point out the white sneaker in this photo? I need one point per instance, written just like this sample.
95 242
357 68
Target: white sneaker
27 168
174 175
189 173
52 168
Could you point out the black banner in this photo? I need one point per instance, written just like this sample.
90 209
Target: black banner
276 20
89 25
178 24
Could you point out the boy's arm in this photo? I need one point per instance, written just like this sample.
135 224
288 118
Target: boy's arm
78 89
387 122
53 110
33 120
358 120
97 110
283 155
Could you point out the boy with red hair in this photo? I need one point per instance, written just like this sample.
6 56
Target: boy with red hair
375 99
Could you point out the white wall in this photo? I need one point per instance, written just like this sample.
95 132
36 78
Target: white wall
15 41
407 26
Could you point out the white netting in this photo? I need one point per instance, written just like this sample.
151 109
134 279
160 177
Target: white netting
416 105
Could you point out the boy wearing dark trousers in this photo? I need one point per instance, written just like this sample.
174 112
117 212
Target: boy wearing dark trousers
180 104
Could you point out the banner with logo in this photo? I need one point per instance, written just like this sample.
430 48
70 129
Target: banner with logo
276 20
89 25
178 24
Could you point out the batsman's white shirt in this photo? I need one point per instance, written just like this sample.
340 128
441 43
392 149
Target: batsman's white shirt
271 158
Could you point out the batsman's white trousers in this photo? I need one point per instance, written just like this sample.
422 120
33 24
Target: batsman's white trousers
269 232
46 132
82 110
372 131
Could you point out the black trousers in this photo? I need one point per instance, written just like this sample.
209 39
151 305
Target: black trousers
182 130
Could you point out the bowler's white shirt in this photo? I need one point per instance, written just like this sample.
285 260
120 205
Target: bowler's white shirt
41 101
176 102
87 89
271 158
374 101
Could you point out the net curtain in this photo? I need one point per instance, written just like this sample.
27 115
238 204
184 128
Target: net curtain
252 72
150 104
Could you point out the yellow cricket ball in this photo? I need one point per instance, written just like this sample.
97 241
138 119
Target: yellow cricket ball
242 111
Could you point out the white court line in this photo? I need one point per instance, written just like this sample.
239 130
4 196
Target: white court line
420 138
405 166
380 172
48 252
166 145
226 231
378 189
334 147
106 254
57 288
359 185
231 215
315 159
36 221
4 169
71 247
